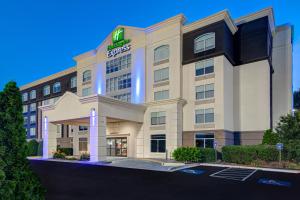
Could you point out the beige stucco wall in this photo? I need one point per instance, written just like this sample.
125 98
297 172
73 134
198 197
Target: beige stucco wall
251 83
282 76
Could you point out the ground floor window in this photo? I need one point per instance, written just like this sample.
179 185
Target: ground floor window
117 147
83 144
158 143
204 140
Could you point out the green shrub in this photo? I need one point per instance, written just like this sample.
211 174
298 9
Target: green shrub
85 156
187 154
291 151
40 149
207 155
32 148
194 154
59 155
67 151
270 137
239 154
267 152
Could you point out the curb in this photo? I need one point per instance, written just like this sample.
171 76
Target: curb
256 168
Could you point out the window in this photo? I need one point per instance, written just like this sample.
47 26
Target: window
46 90
161 95
56 87
32 131
82 144
204 42
158 118
25 120
33 94
161 74
32 107
83 128
74 82
86 91
203 140
24 96
118 83
204 67
205 91
123 97
158 143
32 119
161 53
204 116
86 76
118 64
25 108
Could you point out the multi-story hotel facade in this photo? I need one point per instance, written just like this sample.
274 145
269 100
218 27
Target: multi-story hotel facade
143 92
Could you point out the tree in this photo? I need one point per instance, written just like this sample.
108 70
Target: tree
288 127
270 137
297 99
16 167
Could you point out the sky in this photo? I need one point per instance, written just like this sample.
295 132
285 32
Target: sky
39 38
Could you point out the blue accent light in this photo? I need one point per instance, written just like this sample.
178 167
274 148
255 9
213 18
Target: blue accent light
138 76
99 79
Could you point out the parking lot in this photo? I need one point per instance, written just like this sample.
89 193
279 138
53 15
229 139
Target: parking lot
82 181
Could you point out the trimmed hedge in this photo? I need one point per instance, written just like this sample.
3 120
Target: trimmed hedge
291 151
194 154
59 155
270 137
67 151
248 154
32 148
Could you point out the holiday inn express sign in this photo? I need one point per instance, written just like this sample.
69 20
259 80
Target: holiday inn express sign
119 44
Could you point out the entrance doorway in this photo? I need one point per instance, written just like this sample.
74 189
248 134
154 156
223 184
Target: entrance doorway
117 146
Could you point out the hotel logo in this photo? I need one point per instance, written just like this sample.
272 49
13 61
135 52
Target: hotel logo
119 44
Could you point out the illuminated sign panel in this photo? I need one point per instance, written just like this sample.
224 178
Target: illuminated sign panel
119 44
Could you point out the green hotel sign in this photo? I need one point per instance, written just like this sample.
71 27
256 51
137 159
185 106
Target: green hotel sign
119 44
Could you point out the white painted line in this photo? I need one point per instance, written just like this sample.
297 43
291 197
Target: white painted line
249 175
256 168
219 171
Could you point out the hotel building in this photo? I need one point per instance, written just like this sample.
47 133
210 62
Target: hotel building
143 92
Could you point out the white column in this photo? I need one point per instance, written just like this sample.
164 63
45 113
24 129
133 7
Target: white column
49 138
97 137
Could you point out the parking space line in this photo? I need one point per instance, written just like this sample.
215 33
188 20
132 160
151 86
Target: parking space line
234 174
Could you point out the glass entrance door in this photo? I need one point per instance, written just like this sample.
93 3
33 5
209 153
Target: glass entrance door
117 147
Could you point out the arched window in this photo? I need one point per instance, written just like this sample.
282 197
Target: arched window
204 42
161 53
56 87
86 76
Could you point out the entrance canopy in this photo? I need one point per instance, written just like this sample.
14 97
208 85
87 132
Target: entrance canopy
95 111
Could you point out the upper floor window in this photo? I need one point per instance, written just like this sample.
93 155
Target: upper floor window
204 116
25 108
32 107
161 53
205 91
204 42
25 96
158 118
74 82
56 87
33 94
118 64
161 95
32 119
86 91
161 74
86 76
32 131
204 67
46 90
83 128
